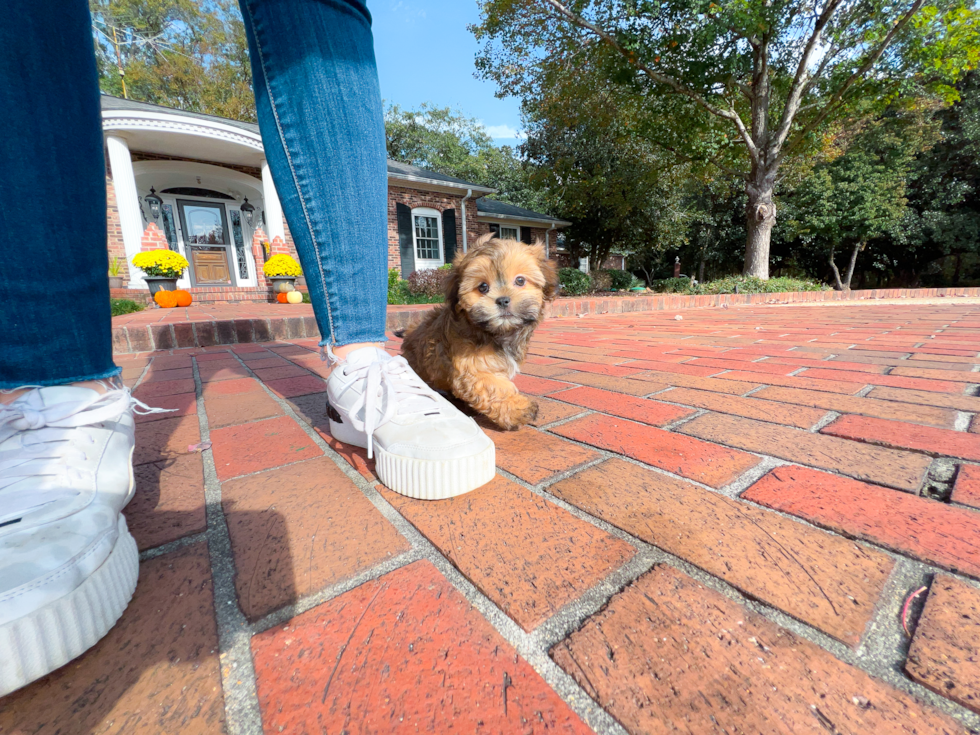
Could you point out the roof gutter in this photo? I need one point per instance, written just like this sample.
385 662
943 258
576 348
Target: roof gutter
469 193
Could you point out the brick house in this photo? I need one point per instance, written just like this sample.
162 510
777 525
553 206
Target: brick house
219 207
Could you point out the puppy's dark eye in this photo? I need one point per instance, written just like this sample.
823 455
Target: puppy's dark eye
520 281
483 287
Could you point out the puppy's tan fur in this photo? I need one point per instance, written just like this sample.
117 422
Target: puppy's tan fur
471 345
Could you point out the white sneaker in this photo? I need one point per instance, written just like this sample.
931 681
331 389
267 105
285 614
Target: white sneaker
68 564
425 447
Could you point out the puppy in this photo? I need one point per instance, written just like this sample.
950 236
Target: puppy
476 342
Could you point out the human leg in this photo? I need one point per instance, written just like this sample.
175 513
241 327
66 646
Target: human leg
68 564
319 108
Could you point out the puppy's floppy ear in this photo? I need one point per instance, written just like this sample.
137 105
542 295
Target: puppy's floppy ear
482 240
549 269
452 283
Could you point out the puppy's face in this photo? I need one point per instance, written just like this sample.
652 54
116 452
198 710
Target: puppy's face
501 285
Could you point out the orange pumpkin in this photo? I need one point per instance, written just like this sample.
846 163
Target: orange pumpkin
281 298
183 297
166 299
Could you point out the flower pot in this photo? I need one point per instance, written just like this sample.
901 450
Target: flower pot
159 283
115 281
282 284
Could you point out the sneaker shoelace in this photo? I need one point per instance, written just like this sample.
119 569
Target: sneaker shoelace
46 449
400 391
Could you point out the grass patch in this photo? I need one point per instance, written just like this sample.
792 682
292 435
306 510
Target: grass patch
125 306
736 284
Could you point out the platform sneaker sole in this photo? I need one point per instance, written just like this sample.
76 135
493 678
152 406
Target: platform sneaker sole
51 636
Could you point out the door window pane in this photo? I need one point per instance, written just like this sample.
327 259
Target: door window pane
427 238
203 225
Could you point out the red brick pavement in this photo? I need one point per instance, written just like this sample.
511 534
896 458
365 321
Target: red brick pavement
713 526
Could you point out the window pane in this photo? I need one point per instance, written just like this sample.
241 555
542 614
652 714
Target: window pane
509 233
236 229
168 227
426 238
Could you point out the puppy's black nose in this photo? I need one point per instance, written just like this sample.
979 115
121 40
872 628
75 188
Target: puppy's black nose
503 301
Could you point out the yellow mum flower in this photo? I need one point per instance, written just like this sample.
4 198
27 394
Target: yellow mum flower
164 263
279 266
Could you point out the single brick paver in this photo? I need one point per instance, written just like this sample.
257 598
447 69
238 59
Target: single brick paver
229 410
156 672
669 655
633 386
627 407
297 529
926 529
945 650
937 442
405 653
946 400
165 439
967 487
552 410
753 408
534 456
824 580
903 470
169 501
527 555
711 464
241 450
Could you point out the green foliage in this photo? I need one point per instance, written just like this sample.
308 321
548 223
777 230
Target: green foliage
125 306
399 294
180 53
620 279
573 282
744 284
446 141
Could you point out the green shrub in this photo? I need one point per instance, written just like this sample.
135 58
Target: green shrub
637 283
125 306
620 279
573 282
430 282
745 284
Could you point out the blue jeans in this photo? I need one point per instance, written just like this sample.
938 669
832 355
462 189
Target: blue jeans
319 109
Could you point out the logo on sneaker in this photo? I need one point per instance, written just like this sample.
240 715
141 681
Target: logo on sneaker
333 415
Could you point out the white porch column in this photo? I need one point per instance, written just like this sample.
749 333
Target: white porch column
127 200
273 209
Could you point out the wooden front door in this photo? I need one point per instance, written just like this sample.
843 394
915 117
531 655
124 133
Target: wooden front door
207 241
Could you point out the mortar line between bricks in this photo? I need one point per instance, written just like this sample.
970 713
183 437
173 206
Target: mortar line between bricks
563 684
166 548
237 669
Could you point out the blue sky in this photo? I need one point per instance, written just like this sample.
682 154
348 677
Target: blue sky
425 54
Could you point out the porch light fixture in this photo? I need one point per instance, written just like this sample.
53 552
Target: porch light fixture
248 210
154 202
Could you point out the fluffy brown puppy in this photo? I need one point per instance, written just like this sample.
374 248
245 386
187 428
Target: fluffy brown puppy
475 343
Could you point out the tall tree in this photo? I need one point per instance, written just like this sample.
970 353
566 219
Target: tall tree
743 86
179 53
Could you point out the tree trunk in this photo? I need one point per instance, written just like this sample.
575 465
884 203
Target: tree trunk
845 284
859 246
760 216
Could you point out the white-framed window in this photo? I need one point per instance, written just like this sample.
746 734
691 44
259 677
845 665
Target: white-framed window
427 238
510 233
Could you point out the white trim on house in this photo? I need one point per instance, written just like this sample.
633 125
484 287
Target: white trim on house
428 263
142 120
444 187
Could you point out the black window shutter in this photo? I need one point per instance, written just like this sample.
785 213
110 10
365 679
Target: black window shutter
449 233
526 235
403 214
495 229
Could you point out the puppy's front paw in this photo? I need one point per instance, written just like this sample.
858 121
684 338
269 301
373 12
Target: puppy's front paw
514 412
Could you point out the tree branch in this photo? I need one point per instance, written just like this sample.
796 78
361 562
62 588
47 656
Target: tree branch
802 77
727 114
836 98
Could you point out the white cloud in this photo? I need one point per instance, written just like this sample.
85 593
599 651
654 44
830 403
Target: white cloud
505 131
